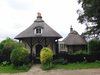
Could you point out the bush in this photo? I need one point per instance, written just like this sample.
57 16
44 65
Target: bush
94 47
70 58
46 55
5 63
19 56
23 67
6 46
60 61
48 66
80 52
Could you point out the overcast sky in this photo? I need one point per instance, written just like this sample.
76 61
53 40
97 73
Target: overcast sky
17 15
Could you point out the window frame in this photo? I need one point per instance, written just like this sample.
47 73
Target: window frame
38 30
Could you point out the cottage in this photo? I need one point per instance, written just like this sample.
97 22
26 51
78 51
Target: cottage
74 42
39 35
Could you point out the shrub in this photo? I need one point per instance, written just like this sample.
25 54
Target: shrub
19 56
5 63
79 52
46 55
97 61
6 46
94 46
23 67
60 61
48 66
69 57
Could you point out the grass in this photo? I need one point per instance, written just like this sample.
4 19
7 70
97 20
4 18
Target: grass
11 69
78 66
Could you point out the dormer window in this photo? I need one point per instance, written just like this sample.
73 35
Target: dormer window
38 30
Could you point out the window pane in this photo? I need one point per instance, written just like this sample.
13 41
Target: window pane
36 30
39 30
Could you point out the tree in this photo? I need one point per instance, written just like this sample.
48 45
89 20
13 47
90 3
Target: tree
90 16
6 46
94 47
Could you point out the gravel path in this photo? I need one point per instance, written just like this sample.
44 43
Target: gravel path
36 70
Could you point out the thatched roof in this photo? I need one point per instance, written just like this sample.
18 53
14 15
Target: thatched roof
74 38
47 30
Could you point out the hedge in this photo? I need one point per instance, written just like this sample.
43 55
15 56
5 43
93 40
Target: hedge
77 58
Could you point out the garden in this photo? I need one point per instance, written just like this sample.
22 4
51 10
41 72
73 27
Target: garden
78 60
14 58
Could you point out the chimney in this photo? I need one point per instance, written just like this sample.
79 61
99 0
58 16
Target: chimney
71 29
39 15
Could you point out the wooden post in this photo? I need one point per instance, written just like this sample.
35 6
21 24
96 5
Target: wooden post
52 43
31 46
57 50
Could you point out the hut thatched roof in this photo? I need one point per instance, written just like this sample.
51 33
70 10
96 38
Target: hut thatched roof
47 30
74 38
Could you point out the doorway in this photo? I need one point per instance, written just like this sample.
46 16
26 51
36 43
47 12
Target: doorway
38 49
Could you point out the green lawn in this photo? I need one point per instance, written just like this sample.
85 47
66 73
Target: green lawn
78 66
11 69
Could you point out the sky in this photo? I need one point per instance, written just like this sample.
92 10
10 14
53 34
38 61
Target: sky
17 15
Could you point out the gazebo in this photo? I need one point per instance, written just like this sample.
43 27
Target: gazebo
74 42
39 35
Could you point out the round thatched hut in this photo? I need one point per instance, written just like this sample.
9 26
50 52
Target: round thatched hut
74 41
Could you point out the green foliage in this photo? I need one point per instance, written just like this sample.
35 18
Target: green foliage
12 69
94 46
5 63
60 61
47 66
23 67
80 52
97 61
46 55
19 56
90 15
6 46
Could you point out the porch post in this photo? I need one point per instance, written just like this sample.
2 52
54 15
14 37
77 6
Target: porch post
31 46
57 49
52 44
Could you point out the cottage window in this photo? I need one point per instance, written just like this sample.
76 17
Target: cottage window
62 46
38 30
